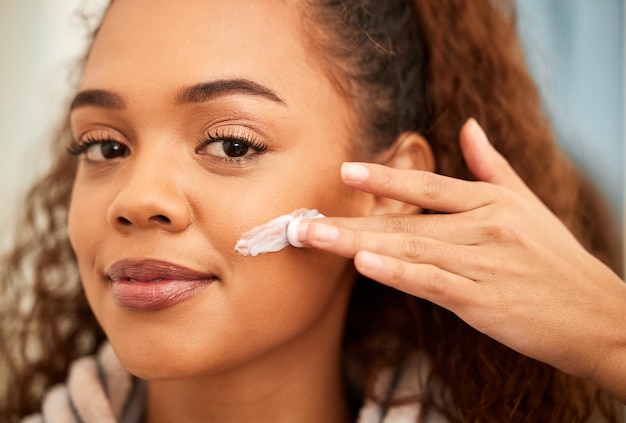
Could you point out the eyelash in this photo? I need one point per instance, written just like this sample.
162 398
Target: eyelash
238 136
76 147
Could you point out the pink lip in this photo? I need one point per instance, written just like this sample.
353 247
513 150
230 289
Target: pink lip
146 284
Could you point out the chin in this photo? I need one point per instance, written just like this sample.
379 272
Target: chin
162 363
174 355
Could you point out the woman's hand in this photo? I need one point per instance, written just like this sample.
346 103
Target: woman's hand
498 258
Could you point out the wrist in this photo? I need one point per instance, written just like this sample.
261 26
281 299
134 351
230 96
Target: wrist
609 370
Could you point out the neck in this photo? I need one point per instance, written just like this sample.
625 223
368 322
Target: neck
299 382
306 393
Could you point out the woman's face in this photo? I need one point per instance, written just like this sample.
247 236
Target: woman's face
198 120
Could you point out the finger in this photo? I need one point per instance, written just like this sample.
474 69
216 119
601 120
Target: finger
463 260
425 281
486 163
419 188
459 228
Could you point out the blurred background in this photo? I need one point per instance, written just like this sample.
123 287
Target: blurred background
40 41
575 49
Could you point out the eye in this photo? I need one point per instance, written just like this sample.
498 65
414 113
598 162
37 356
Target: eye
236 146
106 150
228 148
99 150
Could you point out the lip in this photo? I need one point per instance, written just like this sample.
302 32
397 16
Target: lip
147 284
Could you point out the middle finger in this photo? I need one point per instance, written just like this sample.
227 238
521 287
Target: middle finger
458 228
346 242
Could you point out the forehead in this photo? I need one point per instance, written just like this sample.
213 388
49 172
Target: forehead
168 43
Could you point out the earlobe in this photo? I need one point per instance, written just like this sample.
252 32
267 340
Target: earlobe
410 151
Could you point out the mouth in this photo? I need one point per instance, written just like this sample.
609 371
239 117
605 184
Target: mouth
148 285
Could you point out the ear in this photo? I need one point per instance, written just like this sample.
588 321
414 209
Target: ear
409 151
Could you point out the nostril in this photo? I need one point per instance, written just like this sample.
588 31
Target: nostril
123 221
161 219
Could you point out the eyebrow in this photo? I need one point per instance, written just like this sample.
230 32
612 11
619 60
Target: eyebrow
206 91
198 93
98 98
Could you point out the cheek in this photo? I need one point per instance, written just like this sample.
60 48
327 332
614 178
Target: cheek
89 234
84 232
298 283
86 221
280 297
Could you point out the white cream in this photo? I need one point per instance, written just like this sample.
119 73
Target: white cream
275 234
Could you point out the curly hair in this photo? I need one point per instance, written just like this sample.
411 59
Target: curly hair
427 66
405 65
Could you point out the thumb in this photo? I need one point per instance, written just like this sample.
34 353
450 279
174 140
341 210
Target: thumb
486 163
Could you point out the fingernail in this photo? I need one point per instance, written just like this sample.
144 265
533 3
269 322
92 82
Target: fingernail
325 233
477 131
354 172
370 261
296 232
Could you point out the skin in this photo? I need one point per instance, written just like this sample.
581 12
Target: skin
496 245
262 343
235 352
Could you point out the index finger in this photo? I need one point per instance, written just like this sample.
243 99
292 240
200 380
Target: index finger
419 188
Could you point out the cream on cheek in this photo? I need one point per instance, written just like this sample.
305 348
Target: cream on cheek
274 235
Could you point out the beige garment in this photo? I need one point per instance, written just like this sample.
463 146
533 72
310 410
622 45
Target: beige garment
100 390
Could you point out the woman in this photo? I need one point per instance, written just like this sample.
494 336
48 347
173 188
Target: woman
195 121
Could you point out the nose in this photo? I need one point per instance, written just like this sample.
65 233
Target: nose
150 199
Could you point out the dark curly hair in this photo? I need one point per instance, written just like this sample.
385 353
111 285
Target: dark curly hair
404 65
427 66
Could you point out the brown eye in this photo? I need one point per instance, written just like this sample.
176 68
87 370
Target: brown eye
235 148
106 150
228 148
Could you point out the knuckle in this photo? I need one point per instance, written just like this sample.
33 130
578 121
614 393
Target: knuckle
413 248
435 283
484 265
430 188
510 233
385 179
504 229
398 224
397 275
356 241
